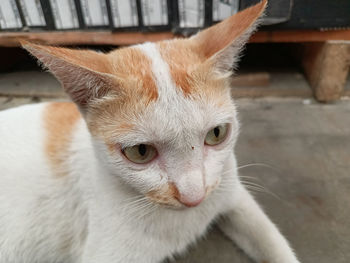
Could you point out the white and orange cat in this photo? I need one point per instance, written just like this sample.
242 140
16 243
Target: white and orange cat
140 164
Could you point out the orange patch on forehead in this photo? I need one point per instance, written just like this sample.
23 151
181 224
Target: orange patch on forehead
191 71
135 70
59 121
182 59
117 115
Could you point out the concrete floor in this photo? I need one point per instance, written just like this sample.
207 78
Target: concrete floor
302 154
307 150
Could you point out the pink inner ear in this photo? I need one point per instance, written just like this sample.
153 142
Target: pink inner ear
84 74
81 58
220 36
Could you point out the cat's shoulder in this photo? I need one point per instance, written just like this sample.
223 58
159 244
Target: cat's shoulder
53 119
48 110
61 115
45 128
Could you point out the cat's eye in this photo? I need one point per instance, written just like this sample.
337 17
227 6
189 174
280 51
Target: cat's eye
141 153
216 135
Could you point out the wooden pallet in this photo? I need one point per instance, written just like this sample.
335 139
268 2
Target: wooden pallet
325 55
326 66
11 39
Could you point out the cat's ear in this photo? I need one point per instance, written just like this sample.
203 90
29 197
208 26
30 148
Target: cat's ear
84 74
222 43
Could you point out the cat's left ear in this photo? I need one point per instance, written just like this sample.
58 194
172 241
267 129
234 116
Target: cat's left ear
84 74
221 44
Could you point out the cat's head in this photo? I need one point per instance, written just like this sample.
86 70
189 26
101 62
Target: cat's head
160 114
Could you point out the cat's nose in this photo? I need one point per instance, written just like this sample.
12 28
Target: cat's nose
191 189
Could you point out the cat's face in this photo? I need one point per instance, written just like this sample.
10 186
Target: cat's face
160 114
168 143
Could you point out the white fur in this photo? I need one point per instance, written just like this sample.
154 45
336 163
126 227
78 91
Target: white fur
41 217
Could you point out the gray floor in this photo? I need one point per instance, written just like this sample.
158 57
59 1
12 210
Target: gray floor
300 151
307 152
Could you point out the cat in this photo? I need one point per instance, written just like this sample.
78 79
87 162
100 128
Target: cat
139 164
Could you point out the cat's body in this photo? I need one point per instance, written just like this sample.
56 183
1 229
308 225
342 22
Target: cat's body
144 163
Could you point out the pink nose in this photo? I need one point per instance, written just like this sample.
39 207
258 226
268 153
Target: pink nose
190 202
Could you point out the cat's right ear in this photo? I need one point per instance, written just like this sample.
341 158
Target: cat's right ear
221 44
84 74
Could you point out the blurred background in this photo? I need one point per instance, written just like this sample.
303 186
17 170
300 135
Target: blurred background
292 90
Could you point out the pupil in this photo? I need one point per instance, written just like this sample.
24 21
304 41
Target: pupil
216 131
142 149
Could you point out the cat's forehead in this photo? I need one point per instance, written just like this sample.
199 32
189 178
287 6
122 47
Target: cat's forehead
166 91
173 66
175 122
182 120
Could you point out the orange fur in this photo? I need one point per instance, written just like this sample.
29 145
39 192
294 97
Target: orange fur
137 90
134 67
125 74
167 195
192 74
188 58
119 117
182 59
59 121
125 70
170 195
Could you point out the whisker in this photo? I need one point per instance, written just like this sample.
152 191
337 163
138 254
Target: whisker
146 211
255 164
227 183
228 171
260 188
134 212
137 201
151 209
139 206
251 183
129 209
130 199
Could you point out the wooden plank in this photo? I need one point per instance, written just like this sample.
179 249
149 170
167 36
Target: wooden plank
11 39
326 66
253 92
290 36
256 79
280 84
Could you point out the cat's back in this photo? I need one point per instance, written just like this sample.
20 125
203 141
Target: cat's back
21 141
36 191
34 136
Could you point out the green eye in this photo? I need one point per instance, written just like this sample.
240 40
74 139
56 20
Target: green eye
216 135
141 153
